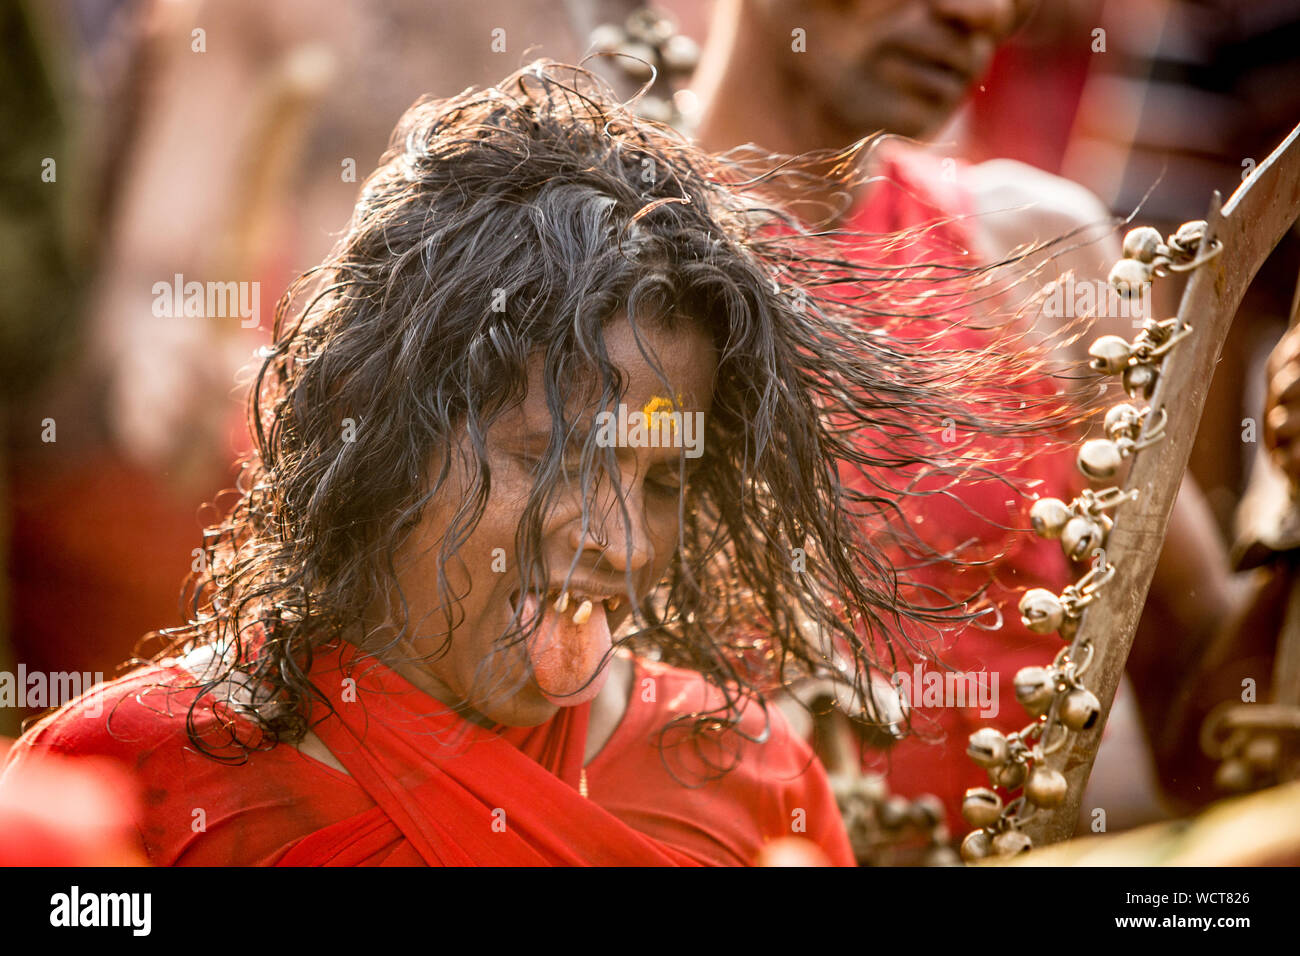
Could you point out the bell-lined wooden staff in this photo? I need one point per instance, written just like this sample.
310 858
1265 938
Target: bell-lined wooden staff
1169 365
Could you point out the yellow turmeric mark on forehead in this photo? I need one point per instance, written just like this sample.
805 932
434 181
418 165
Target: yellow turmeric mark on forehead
661 405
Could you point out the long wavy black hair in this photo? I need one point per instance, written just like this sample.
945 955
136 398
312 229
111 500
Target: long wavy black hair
516 221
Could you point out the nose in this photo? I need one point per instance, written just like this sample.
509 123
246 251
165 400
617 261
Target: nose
996 17
619 542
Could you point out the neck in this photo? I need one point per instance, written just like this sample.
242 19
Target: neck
610 705
745 99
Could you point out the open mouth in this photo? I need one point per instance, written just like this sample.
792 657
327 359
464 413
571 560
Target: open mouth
578 605
571 647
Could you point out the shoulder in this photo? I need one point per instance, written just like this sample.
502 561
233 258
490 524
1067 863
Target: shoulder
1016 204
759 742
1010 186
679 692
760 766
143 709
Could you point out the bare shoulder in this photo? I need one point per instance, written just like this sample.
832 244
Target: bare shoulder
1028 204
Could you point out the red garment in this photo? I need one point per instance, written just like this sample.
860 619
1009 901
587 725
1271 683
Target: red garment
914 190
426 787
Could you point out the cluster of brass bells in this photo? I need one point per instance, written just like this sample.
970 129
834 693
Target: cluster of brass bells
1257 745
1137 362
1037 688
1147 254
1079 531
1055 696
1251 763
1044 787
987 841
649 38
1006 759
1013 764
889 830
1081 526
1100 458
997 833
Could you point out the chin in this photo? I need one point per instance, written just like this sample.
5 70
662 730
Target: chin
920 118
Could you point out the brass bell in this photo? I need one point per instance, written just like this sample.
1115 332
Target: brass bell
844 787
1143 244
981 807
1081 537
1122 419
1008 776
1046 787
1048 516
1012 843
894 812
1129 277
1099 459
1041 611
988 747
607 37
1035 688
1080 709
976 846
1189 235
1233 775
927 811
1140 381
1263 753
649 26
681 54
1110 354
873 787
1069 629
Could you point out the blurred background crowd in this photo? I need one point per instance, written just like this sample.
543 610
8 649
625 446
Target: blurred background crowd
226 139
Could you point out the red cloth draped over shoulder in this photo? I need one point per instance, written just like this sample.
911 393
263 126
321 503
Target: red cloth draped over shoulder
918 192
424 786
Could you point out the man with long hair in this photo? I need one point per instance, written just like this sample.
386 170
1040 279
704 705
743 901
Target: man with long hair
555 479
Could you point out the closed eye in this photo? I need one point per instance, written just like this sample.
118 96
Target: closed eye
666 479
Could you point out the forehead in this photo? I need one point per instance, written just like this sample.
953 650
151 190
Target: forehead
656 361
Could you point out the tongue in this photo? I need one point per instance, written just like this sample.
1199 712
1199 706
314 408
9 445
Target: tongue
565 656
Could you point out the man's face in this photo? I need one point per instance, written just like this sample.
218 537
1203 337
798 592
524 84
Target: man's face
499 682
902 66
